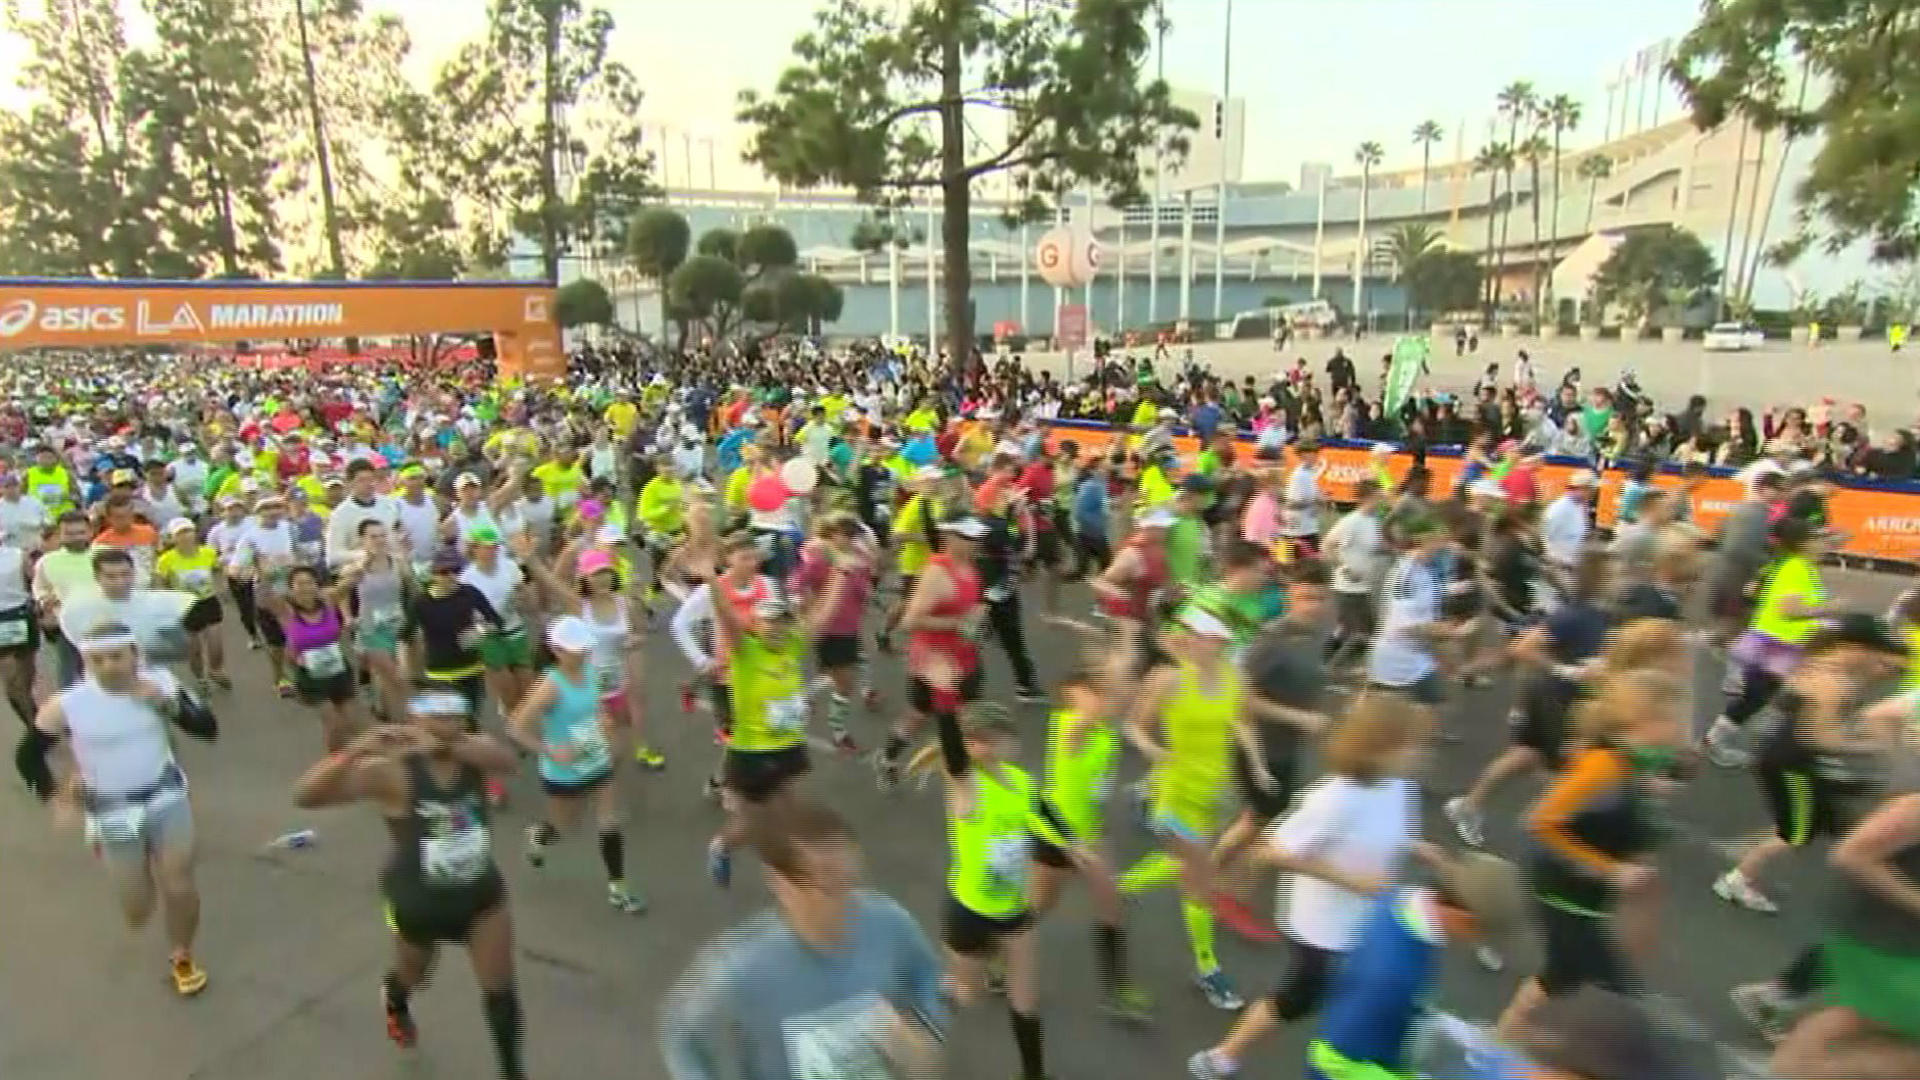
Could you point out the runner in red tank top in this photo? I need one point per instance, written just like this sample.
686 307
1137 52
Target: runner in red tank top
943 663
1126 590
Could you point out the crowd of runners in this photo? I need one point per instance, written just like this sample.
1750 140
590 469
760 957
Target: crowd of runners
458 575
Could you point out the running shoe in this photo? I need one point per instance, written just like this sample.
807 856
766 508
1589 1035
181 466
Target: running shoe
649 758
189 978
536 847
1204 1066
843 741
1220 992
624 900
1769 1009
496 793
1490 958
221 680
400 1026
1241 919
1468 823
883 642
1027 695
1722 750
1735 889
283 687
719 863
253 644
721 736
687 703
713 788
1127 1005
872 699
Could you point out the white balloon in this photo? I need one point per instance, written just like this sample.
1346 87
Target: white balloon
799 475
1067 257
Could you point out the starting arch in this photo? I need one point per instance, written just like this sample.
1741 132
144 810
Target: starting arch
38 313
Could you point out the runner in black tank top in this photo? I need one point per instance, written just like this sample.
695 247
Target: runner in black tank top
429 780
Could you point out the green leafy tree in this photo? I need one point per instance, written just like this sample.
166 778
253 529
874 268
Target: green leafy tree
765 248
792 301
1440 281
1861 181
68 206
536 129
1652 265
657 242
582 302
880 96
707 288
1848 307
417 240
720 244
873 234
207 104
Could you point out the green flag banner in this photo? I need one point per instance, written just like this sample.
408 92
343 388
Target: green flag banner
1409 361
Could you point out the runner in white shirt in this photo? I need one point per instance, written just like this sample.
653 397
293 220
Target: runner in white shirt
264 557
1302 501
1343 843
1357 547
23 519
113 758
418 513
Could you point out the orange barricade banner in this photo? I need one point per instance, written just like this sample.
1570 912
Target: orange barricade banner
1876 522
37 314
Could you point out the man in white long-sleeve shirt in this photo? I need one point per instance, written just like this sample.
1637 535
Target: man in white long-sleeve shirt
693 633
360 505
1564 527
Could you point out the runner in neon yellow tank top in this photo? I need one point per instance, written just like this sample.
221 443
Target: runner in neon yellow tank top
1792 601
1083 753
991 820
1187 716
766 676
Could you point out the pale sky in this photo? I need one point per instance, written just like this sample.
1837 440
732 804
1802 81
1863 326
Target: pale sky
1318 76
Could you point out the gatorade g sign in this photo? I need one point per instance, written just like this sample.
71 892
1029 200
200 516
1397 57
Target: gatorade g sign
86 314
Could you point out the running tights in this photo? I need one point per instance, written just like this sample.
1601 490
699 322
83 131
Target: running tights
243 601
502 1008
1757 687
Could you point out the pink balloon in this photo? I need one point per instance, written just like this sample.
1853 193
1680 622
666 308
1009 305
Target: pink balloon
767 494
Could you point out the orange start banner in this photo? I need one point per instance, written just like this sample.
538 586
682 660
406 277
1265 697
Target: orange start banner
85 314
1876 521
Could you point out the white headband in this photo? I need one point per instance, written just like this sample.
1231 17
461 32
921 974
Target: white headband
114 640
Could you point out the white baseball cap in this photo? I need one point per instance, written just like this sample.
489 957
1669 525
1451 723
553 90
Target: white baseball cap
570 633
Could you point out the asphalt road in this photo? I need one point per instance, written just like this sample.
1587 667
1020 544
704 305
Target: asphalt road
295 943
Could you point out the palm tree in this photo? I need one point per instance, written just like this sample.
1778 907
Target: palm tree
1407 243
1366 155
1593 168
1531 151
1493 159
1425 135
1563 115
1516 102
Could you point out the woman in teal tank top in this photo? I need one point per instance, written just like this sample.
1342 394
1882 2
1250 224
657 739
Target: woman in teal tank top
561 723
991 819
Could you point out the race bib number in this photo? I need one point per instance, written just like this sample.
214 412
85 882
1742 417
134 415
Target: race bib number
998 594
788 715
456 859
308 551
1007 861
384 620
324 662
51 495
841 1042
14 632
121 825
588 751
197 581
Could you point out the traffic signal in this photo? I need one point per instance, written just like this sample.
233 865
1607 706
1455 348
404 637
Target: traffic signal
1220 120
